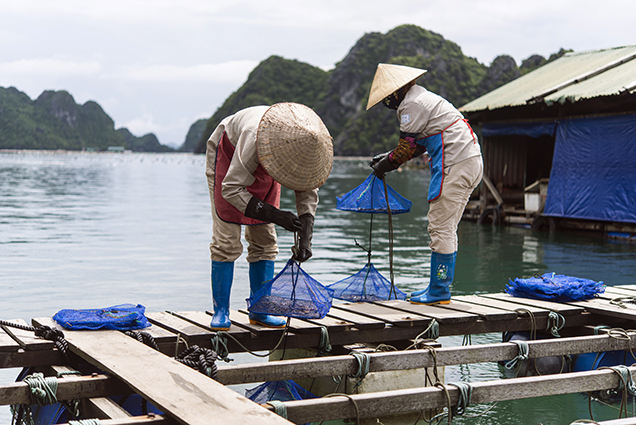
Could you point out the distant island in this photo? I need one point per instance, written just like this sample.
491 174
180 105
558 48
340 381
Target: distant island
55 121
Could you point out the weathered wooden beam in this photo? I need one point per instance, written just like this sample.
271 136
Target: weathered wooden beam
418 399
21 358
68 388
415 359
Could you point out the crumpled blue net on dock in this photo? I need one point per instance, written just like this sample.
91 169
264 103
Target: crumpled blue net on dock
369 197
555 287
365 286
292 293
123 317
278 390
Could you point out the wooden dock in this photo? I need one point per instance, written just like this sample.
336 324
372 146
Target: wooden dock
124 365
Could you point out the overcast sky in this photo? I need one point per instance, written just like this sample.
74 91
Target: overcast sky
159 65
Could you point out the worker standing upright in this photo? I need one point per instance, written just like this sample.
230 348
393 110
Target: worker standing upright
429 123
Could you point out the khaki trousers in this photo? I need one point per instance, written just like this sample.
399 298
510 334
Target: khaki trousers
445 212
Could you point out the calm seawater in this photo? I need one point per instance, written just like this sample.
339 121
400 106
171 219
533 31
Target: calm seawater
87 230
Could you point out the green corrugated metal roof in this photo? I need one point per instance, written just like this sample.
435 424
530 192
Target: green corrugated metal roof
572 77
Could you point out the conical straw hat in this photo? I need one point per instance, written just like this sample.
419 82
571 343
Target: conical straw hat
294 146
389 78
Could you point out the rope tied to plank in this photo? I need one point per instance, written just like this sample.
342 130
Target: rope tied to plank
143 337
555 323
202 359
465 394
524 348
42 391
279 408
363 366
45 332
625 384
324 346
621 301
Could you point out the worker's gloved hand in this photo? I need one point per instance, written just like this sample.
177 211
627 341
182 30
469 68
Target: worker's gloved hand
377 158
265 212
303 252
382 166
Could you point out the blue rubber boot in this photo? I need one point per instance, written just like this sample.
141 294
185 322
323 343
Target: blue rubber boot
442 273
222 276
260 273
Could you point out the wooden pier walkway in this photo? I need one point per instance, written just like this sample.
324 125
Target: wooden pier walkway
123 365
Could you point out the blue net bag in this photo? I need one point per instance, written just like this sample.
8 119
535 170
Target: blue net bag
555 287
278 390
365 286
292 293
370 197
123 317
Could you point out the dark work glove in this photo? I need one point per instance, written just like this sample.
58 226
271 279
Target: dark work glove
377 158
303 253
265 212
382 166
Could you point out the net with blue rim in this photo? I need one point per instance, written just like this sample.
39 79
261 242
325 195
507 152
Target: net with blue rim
368 284
292 293
555 287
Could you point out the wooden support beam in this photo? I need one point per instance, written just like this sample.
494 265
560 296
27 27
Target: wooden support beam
137 420
382 403
68 388
415 359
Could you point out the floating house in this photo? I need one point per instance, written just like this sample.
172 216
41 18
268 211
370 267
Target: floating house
559 145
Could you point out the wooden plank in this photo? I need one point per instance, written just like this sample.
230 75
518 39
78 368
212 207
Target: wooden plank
182 393
443 316
603 307
504 305
561 308
359 322
295 325
382 403
414 359
150 419
7 344
332 324
387 314
241 327
23 358
485 312
27 339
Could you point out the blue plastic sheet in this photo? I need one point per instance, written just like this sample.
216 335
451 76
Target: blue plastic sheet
594 170
534 129
370 197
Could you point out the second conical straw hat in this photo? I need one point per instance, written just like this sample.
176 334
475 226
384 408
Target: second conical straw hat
389 78
294 146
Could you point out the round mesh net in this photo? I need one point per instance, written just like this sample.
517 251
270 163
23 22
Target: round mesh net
366 285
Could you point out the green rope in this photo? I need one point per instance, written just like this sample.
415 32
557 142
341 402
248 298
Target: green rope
599 327
42 389
363 366
555 323
465 394
324 346
86 422
522 356
279 408
219 345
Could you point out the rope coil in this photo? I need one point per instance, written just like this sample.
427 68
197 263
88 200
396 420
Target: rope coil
202 359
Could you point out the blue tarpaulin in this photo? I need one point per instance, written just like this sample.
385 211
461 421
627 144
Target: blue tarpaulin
534 129
593 173
594 170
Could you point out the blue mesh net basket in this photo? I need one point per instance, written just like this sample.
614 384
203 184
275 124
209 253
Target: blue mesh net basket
292 293
555 287
365 286
278 390
370 197
123 317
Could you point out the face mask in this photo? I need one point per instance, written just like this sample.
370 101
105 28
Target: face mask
392 101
